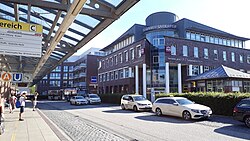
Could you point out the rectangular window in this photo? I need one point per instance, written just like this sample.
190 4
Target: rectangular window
228 43
192 36
121 73
115 58
126 55
215 54
220 41
132 52
241 58
232 43
248 59
203 38
233 56
126 73
185 51
116 75
196 52
120 56
155 59
197 37
188 35
111 61
205 53
65 76
65 68
107 63
211 39
173 50
224 56
236 43
112 75
138 48
195 70
216 40
107 75
161 41
104 77
206 68
207 39
224 42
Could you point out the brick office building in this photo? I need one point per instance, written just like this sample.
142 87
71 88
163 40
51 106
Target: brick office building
164 53
78 73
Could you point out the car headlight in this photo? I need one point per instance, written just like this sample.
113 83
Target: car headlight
194 110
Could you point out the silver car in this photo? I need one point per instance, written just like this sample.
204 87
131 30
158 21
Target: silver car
78 100
93 99
180 107
135 102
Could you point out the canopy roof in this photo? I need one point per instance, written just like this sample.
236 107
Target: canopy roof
221 72
67 26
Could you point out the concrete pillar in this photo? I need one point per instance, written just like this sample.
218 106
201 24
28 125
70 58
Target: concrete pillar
144 80
201 69
190 68
179 79
167 90
136 80
129 72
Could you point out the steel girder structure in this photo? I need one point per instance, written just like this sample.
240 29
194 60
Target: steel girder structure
68 25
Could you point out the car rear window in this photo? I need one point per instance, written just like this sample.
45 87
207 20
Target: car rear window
244 104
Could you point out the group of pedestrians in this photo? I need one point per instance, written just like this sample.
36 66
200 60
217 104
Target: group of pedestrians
19 102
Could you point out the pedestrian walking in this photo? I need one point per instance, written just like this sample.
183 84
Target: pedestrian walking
34 101
22 102
12 103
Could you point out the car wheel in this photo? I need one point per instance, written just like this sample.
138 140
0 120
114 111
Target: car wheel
247 121
158 112
123 107
135 109
186 115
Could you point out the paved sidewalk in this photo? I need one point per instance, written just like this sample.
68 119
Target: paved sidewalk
33 128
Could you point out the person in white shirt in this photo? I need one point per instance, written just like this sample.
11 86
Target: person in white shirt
22 102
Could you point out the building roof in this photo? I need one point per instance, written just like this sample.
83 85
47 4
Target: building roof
198 27
221 72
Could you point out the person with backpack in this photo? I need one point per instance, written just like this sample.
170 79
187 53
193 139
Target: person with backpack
22 105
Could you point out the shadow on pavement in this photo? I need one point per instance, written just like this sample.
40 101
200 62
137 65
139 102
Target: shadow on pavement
169 119
120 111
238 131
63 105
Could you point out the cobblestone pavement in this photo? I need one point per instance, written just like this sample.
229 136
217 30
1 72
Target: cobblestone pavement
77 128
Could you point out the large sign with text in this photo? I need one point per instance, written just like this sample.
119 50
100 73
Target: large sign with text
20 39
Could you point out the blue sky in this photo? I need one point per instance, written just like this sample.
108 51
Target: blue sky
232 16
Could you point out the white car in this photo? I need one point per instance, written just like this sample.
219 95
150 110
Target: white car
78 100
135 102
180 107
93 99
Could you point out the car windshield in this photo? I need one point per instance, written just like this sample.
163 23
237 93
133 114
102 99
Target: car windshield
139 98
184 101
79 97
93 96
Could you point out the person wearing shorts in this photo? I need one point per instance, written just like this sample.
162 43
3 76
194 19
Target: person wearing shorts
22 101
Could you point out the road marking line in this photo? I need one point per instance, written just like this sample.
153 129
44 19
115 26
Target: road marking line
13 136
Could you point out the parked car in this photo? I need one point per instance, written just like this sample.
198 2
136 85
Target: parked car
180 107
241 111
93 99
135 102
78 100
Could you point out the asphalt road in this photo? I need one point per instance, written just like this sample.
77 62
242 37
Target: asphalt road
109 122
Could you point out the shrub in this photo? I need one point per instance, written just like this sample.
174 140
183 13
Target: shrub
220 103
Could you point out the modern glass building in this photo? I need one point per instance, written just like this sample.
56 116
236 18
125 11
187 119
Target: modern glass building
163 54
